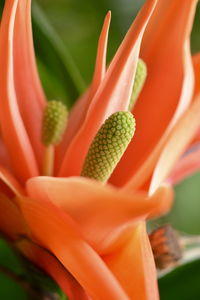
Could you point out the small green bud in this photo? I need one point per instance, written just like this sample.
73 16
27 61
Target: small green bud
140 77
108 146
54 122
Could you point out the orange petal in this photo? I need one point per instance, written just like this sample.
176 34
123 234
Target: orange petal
113 94
12 184
55 230
4 158
176 144
12 223
48 263
165 197
168 88
78 113
13 131
133 265
30 97
101 211
181 169
196 138
187 165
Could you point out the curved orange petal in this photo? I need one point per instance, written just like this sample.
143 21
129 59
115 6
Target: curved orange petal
168 88
11 182
187 165
30 96
56 231
174 146
196 138
4 157
101 211
48 263
165 196
12 127
113 94
145 171
176 143
12 223
133 265
78 113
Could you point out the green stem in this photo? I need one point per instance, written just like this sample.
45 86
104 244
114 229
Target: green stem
21 282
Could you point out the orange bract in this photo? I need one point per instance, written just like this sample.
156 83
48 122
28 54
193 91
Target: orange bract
168 88
96 232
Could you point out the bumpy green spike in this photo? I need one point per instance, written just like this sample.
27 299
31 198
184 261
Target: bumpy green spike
54 122
108 146
140 77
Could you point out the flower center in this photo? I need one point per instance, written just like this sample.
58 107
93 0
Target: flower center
108 146
53 127
54 122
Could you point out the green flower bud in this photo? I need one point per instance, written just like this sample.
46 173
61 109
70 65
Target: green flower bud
54 122
140 77
108 146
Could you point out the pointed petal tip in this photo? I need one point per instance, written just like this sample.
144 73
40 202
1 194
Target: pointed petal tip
107 20
109 14
165 195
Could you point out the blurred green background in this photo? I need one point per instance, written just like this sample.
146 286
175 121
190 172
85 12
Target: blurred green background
66 42
79 22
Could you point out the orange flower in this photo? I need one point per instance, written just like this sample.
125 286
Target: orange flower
96 232
190 160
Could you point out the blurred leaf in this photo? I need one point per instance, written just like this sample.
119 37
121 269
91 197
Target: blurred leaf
17 270
54 55
181 283
9 259
79 24
59 73
185 212
195 38
43 282
9 289
51 85
1 7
